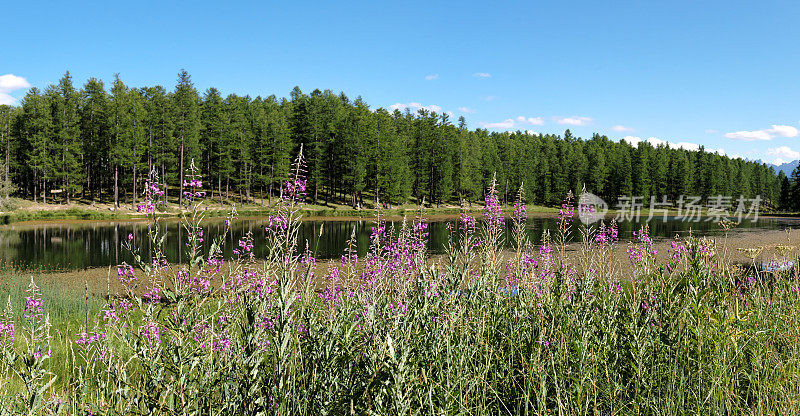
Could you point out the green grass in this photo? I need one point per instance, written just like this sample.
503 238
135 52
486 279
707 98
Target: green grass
442 338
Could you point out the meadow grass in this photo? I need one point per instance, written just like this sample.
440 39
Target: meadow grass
395 332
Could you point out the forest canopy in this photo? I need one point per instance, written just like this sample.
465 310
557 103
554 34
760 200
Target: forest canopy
100 142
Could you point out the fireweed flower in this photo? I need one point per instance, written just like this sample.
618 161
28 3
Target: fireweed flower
491 208
125 274
566 213
7 331
520 211
110 314
34 310
90 338
641 250
607 236
677 250
152 192
151 332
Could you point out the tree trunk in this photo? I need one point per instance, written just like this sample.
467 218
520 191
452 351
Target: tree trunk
133 205
180 179
116 188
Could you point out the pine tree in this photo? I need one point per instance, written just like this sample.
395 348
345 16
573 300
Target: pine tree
794 194
94 132
66 128
7 117
37 132
185 112
160 141
785 198
215 138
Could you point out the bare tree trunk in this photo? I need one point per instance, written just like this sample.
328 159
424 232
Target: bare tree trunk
133 205
180 179
116 188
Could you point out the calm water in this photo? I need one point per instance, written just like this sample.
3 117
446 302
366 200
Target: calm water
82 245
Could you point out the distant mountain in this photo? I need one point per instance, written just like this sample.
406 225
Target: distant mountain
787 167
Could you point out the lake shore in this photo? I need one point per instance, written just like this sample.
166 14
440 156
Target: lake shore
99 281
32 213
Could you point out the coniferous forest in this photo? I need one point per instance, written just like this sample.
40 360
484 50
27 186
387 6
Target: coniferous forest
99 142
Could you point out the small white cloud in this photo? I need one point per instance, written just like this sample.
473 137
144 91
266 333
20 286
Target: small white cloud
573 121
764 134
535 121
711 131
491 98
6 99
782 153
482 75
532 133
8 83
748 136
507 124
11 82
621 128
783 131
466 110
655 142
415 107
778 161
632 140
431 77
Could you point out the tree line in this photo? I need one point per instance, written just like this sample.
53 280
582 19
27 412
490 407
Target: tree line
100 144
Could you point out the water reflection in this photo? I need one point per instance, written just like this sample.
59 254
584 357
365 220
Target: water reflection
83 245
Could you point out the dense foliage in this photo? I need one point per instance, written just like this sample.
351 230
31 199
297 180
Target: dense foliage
395 332
100 143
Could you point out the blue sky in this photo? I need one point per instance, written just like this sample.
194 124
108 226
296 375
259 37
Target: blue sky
723 74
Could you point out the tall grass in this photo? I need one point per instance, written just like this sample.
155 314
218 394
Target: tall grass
395 332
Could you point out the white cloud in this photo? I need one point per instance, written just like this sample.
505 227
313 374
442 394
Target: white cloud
632 140
536 121
6 99
507 124
491 98
764 134
431 77
8 83
511 123
783 131
573 121
466 110
711 131
532 133
11 82
415 107
621 128
782 153
482 75
654 141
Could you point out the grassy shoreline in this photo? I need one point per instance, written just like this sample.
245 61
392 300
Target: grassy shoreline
30 212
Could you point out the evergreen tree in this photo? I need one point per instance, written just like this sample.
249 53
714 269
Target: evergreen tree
66 128
94 132
794 194
785 198
185 112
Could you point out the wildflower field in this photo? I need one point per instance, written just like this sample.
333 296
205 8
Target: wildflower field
396 332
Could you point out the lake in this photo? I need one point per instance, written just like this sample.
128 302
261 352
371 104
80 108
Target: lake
79 245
